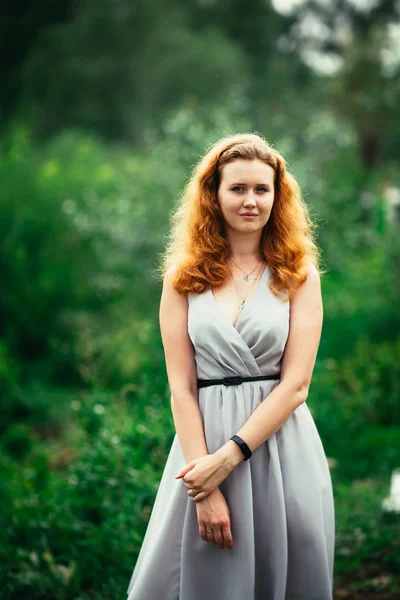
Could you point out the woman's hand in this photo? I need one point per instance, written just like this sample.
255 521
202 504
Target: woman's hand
203 475
213 516
206 473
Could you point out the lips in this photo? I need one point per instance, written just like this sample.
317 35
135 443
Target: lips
248 215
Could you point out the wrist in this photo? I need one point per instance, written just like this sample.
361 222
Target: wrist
231 455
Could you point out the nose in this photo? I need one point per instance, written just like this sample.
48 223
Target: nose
249 199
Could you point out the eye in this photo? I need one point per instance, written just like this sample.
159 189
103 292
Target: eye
236 187
263 189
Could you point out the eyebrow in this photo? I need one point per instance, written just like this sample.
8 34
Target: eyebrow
239 183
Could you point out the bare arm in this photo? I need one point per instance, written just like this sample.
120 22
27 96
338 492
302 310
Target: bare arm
181 370
305 326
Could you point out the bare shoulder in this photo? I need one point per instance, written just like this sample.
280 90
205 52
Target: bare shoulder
168 283
311 286
172 302
170 275
313 273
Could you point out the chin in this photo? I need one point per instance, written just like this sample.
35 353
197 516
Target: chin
247 228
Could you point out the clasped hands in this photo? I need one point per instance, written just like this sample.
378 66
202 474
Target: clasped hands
204 474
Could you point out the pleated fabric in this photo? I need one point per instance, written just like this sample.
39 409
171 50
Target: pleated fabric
281 500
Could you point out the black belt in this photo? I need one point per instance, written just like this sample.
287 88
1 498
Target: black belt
234 380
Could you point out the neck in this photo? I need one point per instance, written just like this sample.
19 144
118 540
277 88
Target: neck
245 249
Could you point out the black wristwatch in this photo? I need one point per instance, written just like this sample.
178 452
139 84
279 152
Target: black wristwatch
243 446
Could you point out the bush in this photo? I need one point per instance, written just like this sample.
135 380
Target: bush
357 410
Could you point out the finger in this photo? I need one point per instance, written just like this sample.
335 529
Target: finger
227 533
202 530
200 496
184 471
210 536
219 540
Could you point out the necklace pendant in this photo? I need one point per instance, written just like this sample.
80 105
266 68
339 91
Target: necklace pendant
241 305
246 278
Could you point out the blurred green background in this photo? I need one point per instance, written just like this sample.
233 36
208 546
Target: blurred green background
105 107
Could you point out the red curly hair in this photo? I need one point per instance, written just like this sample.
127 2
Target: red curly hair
197 244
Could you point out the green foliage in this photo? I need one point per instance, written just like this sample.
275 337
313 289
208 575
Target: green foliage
357 410
367 558
42 278
125 70
75 508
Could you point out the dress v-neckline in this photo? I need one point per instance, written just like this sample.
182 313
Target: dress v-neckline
246 305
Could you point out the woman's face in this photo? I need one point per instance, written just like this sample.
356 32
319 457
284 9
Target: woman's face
246 188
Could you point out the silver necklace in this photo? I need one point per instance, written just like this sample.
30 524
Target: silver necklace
246 275
241 305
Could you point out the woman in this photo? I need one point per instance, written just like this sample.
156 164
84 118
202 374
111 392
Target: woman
240 317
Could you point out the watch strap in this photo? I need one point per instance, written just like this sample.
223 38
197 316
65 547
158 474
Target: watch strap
243 446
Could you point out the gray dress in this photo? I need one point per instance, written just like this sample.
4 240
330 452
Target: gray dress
280 500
